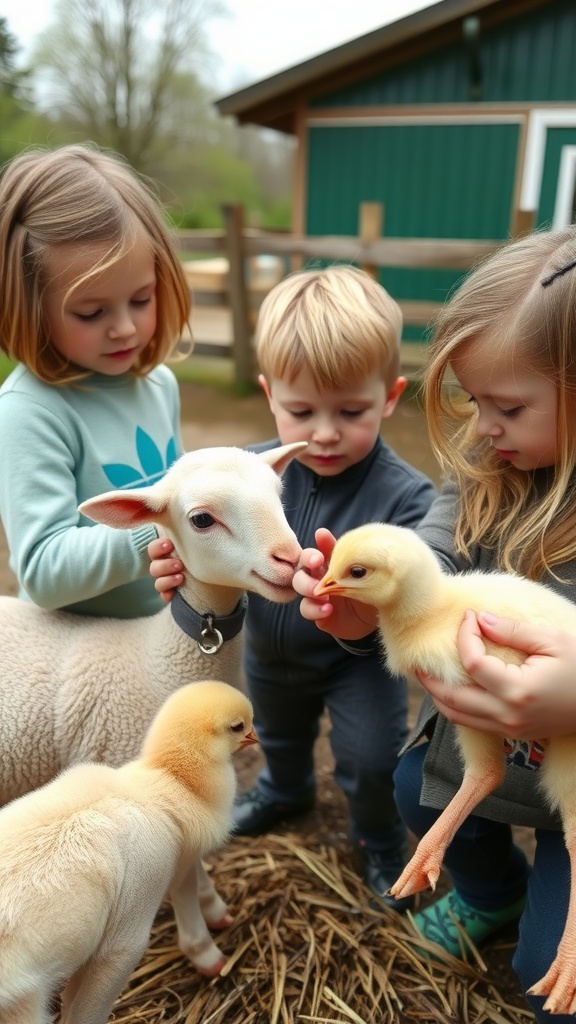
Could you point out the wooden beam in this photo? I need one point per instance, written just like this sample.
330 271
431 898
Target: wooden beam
450 253
455 254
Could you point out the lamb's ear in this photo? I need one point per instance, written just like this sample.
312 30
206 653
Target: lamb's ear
125 510
279 458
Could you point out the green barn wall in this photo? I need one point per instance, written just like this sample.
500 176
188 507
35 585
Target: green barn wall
527 59
443 180
435 181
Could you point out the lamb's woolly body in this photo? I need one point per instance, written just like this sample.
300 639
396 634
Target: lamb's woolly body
420 610
88 688
74 688
86 860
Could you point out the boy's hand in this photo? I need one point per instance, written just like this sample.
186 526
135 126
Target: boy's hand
166 571
341 616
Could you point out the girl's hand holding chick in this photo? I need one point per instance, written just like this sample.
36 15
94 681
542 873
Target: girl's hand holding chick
339 616
531 700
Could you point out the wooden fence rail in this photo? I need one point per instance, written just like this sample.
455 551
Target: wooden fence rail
239 244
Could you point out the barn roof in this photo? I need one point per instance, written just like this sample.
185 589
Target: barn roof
275 102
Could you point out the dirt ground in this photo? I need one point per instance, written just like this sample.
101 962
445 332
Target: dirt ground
212 417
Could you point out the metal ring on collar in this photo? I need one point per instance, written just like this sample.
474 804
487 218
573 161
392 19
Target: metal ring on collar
213 640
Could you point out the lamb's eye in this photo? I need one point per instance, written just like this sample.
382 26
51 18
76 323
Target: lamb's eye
202 520
237 727
357 572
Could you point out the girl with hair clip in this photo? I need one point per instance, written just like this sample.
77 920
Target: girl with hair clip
500 395
92 301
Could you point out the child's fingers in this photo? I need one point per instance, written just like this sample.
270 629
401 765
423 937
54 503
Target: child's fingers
314 611
166 585
520 635
304 584
160 547
325 541
166 567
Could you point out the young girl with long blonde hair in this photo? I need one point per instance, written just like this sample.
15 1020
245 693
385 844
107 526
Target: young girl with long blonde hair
500 394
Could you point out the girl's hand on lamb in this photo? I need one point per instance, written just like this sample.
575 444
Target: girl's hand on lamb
339 616
166 570
528 701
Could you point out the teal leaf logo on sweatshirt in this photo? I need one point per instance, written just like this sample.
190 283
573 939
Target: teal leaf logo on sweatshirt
152 464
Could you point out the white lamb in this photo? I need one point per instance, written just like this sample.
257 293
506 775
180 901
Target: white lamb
75 689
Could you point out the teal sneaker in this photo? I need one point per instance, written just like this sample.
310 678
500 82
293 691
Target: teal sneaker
444 921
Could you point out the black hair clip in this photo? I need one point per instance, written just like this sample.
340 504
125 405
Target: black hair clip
558 273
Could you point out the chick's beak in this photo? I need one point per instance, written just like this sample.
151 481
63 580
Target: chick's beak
328 586
249 739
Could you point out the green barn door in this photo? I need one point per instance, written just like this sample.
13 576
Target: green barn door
438 178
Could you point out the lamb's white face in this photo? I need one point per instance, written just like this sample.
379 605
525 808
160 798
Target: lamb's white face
229 526
222 508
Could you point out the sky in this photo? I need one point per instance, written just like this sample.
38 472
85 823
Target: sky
260 37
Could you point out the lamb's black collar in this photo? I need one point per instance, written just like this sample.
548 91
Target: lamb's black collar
209 630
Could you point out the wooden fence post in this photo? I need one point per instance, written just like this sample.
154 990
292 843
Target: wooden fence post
523 222
370 228
241 333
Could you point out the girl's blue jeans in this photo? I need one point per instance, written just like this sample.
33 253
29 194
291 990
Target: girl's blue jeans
490 872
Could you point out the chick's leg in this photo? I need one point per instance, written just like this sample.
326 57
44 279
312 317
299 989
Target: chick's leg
194 938
483 773
559 982
214 910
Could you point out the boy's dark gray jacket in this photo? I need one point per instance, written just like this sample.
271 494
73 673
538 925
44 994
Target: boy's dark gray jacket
380 488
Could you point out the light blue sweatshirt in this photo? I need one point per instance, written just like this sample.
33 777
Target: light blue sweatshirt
62 445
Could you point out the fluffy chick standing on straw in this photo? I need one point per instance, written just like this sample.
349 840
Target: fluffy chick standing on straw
500 393
86 860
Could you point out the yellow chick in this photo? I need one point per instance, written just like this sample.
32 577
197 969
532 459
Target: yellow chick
420 609
86 860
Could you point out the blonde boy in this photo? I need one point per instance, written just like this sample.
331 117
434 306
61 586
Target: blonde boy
328 345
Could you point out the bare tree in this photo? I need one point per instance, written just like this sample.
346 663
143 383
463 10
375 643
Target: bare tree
111 68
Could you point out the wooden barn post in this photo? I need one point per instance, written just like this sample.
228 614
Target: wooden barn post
523 222
238 291
370 228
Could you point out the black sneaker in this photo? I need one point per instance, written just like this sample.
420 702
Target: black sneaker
254 813
379 871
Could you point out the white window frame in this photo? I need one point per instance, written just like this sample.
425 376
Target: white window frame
539 121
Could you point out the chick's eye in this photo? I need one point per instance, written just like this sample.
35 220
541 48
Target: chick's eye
202 520
237 727
357 572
